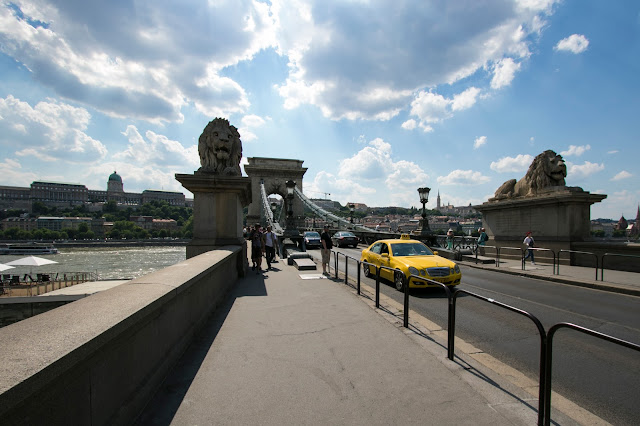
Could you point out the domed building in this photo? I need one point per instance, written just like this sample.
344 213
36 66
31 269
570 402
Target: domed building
114 184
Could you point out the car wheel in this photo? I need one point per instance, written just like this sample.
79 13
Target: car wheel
355 246
366 268
399 281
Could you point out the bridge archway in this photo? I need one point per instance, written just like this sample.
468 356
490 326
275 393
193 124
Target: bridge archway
274 173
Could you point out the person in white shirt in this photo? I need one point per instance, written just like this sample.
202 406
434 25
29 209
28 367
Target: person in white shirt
528 242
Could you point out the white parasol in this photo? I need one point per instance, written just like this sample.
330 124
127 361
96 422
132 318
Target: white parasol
4 267
31 261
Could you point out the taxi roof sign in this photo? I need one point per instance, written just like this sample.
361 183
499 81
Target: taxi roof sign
405 237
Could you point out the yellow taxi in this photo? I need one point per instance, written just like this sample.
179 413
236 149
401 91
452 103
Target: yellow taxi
412 257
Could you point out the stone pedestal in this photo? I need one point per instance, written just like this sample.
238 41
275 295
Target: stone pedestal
218 202
557 217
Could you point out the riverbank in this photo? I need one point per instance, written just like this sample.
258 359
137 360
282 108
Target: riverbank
106 243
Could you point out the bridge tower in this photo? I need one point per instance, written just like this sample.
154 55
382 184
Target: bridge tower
274 172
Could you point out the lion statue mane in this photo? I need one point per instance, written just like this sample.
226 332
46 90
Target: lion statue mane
220 148
546 170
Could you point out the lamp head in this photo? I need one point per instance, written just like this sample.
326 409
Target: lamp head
424 194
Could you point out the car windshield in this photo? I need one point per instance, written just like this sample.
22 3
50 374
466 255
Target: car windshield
410 249
312 235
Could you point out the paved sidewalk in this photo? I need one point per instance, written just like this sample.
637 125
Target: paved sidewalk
296 348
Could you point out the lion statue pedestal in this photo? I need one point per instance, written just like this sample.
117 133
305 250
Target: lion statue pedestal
539 202
219 191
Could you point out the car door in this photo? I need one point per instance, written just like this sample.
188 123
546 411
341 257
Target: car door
374 255
385 260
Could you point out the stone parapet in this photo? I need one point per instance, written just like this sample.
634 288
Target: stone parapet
100 359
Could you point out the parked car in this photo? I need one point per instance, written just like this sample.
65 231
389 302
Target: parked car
345 239
412 257
312 239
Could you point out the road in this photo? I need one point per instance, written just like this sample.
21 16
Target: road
599 376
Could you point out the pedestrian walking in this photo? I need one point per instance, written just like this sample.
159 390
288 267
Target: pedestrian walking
257 247
271 246
482 240
529 244
325 251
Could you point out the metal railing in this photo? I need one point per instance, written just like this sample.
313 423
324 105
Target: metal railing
539 249
536 321
546 347
549 358
610 255
557 271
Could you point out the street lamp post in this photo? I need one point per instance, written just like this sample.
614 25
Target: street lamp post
424 198
273 212
352 208
290 231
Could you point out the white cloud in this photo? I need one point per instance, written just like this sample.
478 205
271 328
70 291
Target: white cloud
348 63
154 150
249 123
575 150
465 100
463 177
583 170
161 58
575 43
50 131
622 175
504 72
395 183
520 163
431 107
480 141
372 162
409 124
11 171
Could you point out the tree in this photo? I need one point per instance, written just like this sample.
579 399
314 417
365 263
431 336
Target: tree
110 207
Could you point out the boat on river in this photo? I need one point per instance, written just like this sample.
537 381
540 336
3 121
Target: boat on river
28 249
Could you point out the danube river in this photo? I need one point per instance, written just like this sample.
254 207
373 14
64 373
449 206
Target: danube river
107 262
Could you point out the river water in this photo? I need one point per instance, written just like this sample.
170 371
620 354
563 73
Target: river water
107 262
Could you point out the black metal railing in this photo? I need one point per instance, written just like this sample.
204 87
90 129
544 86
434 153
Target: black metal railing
576 252
541 250
546 347
549 359
536 321
611 255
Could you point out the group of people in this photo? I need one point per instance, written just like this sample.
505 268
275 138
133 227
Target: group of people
263 243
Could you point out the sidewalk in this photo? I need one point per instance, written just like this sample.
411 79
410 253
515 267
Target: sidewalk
293 347
614 281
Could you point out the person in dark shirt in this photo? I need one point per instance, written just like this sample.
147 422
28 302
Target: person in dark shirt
327 245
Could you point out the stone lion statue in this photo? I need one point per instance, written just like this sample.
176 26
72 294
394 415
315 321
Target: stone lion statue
546 170
220 148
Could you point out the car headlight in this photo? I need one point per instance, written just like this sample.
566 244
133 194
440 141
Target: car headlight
456 269
413 271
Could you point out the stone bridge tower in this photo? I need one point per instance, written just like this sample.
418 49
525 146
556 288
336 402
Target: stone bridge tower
274 172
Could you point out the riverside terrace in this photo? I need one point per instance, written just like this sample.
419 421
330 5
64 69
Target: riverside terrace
283 348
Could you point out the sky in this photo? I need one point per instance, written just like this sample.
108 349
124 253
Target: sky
377 97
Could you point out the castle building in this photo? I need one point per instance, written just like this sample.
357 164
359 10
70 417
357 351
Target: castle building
70 195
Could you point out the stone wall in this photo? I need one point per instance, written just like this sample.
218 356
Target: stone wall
100 359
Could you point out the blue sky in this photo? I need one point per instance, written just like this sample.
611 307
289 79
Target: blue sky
377 97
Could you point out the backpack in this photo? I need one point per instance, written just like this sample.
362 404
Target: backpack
256 239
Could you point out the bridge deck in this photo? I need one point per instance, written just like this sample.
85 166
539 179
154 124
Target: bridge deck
290 350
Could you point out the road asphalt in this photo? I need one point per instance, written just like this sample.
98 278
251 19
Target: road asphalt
298 347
